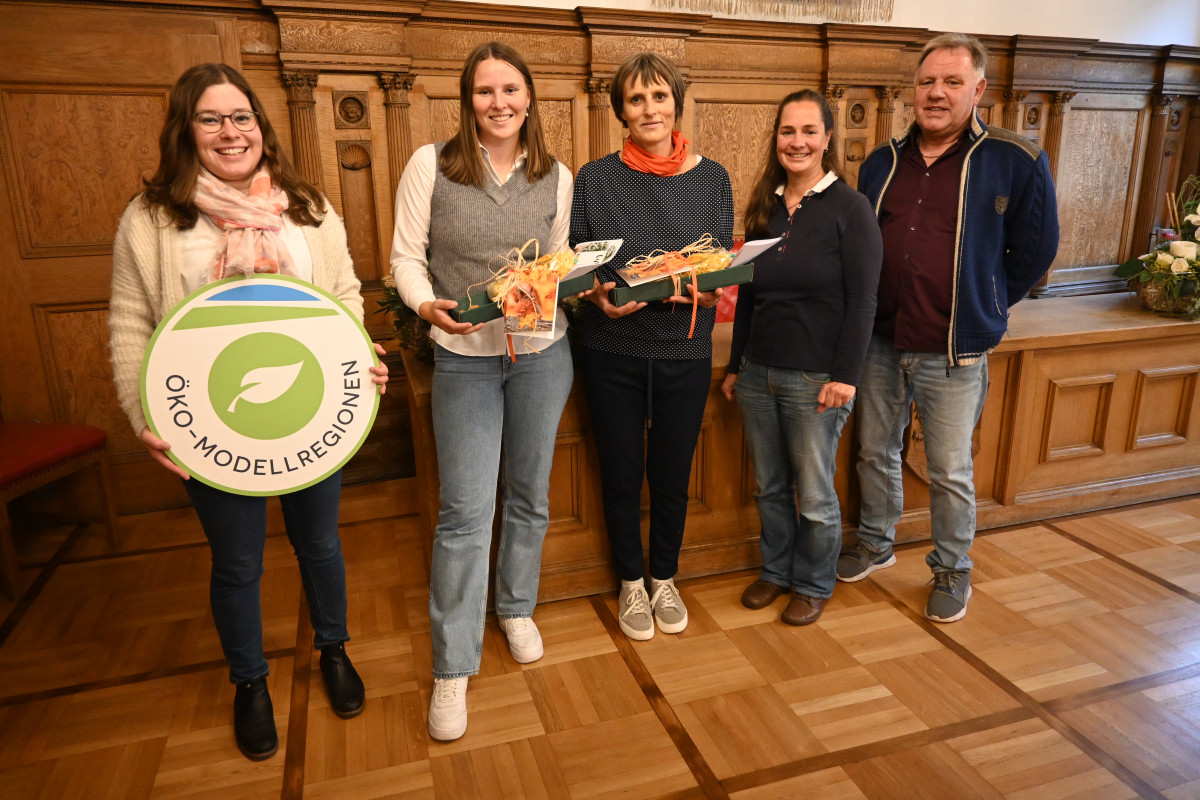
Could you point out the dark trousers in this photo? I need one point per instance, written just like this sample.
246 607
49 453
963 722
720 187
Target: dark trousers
646 416
236 528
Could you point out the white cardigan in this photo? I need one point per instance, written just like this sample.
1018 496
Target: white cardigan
147 284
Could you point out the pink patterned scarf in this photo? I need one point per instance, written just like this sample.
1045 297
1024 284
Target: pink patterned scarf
251 222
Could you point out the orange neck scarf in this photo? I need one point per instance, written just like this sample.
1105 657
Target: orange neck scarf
636 157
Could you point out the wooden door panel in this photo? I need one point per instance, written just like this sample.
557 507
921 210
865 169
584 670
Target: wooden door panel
83 95
67 191
67 46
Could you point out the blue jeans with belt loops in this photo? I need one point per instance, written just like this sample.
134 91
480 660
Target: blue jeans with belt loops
949 403
492 418
793 449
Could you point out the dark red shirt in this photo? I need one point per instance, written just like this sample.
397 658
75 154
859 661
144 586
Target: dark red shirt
918 219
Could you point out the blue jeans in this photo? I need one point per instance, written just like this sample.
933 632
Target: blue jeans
949 402
236 528
793 449
489 411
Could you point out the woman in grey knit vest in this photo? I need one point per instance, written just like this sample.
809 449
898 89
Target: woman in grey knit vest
460 205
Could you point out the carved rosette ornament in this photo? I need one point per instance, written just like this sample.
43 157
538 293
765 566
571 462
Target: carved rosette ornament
884 116
396 86
302 111
1012 108
598 108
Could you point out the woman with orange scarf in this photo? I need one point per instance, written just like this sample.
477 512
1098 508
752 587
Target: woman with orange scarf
645 374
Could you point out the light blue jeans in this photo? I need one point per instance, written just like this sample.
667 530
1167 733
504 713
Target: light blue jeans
949 402
489 412
793 450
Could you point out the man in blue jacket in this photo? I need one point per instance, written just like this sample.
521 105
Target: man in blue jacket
970 224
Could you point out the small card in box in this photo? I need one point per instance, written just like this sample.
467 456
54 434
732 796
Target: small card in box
478 307
663 288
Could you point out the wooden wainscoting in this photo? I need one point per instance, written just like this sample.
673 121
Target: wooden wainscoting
1092 403
354 87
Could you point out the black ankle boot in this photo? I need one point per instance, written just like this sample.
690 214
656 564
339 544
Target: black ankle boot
345 689
254 720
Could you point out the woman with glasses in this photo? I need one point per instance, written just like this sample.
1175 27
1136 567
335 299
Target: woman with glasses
461 206
800 336
646 377
225 201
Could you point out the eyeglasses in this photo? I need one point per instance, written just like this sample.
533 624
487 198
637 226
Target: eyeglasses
211 121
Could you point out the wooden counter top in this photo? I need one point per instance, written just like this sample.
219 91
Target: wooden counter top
1069 321
1035 324
1092 402
1052 322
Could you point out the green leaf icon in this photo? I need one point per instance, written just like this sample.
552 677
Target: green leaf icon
264 384
278 378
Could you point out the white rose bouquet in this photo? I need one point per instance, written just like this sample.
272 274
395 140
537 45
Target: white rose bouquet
1168 279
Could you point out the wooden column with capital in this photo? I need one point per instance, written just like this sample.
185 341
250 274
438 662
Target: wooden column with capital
833 94
1189 163
1012 109
1150 199
598 110
302 110
1052 144
884 115
396 86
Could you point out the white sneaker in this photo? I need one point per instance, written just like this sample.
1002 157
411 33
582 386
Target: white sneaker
669 611
524 640
634 611
448 709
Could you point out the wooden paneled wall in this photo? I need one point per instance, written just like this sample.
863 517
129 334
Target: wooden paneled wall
1092 403
353 86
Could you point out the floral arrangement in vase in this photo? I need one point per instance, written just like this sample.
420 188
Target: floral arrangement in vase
1168 277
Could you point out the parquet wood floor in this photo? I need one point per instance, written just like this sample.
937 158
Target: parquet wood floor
1075 674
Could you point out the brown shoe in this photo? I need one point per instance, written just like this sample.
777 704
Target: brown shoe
803 610
761 594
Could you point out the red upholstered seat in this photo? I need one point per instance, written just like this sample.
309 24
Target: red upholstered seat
34 454
27 448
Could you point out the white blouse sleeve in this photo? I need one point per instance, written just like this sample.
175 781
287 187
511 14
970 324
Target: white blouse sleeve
410 241
561 230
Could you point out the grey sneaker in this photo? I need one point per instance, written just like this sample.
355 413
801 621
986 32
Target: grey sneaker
669 610
634 607
948 600
860 561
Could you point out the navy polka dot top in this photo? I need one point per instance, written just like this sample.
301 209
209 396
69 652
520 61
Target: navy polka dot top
650 212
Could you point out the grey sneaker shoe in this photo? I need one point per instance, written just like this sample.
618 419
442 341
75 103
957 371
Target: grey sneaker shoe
634 612
860 561
669 610
948 600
